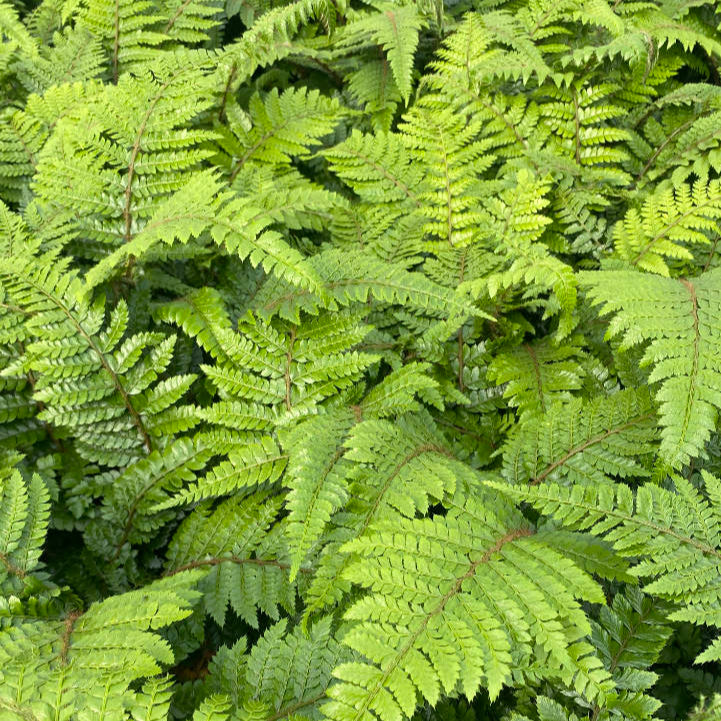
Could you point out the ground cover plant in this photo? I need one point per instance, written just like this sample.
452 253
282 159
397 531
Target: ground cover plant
360 360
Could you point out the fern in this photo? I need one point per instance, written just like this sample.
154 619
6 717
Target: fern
683 366
243 573
23 524
673 533
359 360
103 376
108 645
278 127
584 442
536 375
452 586
666 220
395 29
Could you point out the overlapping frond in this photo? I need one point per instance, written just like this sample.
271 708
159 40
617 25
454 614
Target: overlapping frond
433 580
583 441
672 534
349 353
108 645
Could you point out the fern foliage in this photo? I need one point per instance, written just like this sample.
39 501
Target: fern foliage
359 360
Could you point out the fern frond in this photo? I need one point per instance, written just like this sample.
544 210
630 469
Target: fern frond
14 32
316 479
536 375
677 318
583 442
239 227
672 534
515 223
580 120
444 142
525 55
132 32
112 641
24 133
393 27
115 163
290 671
432 577
95 385
378 168
679 142
390 468
268 40
253 461
129 514
247 569
354 277
373 86
24 515
214 708
74 55
201 315
152 703
630 636
668 221
279 127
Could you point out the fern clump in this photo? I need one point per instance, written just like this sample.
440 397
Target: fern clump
359 360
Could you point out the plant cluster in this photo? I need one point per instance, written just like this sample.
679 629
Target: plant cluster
360 360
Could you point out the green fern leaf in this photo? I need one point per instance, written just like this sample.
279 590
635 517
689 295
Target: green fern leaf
583 442
395 28
672 535
676 318
459 571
